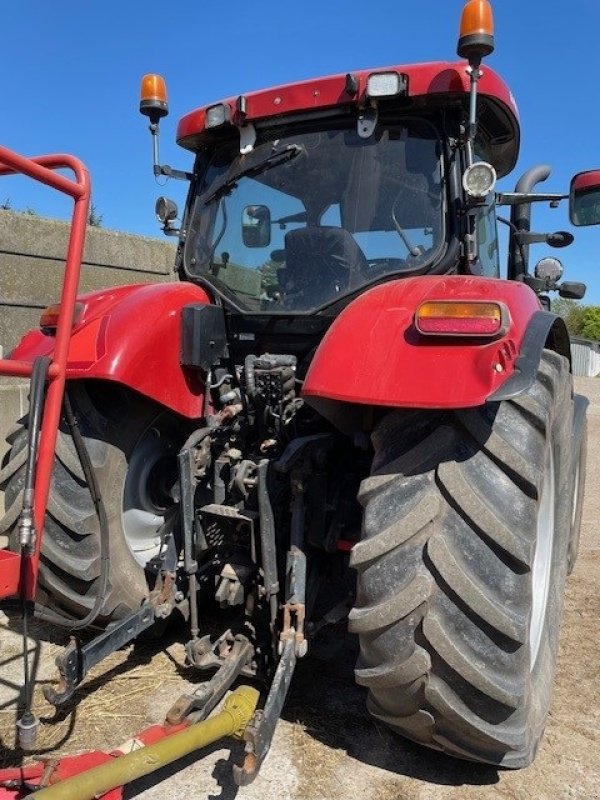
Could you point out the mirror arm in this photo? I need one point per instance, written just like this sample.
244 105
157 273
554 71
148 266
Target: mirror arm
515 198
169 230
169 172
558 239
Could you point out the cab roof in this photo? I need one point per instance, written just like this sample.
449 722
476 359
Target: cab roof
438 81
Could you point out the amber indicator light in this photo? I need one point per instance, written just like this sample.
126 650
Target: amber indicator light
477 17
457 318
476 37
153 97
50 315
153 88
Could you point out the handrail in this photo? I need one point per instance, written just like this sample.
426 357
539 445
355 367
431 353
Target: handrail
43 169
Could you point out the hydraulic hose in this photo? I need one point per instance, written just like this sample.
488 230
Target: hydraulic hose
231 721
27 724
36 406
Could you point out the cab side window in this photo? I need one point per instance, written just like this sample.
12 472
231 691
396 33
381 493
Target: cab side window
487 238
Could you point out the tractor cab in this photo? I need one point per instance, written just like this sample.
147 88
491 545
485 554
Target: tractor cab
304 196
314 214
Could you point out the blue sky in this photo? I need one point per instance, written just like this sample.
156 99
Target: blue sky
71 73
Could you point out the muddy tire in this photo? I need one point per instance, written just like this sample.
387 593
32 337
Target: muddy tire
133 448
461 570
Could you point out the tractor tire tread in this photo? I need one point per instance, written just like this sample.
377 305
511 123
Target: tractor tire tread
444 565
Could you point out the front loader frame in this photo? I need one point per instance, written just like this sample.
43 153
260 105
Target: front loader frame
19 571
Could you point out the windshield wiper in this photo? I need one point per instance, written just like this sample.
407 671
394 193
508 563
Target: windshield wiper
248 169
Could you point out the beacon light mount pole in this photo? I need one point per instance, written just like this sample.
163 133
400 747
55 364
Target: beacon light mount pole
155 106
475 41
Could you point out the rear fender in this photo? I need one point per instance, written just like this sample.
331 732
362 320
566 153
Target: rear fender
131 335
373 355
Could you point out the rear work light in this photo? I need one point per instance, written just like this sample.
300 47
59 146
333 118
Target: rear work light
461 318
218 115
50 315
385 84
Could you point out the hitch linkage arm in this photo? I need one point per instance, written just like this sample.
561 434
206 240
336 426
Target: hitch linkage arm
75 660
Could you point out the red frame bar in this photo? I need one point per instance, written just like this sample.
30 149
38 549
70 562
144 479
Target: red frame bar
42 169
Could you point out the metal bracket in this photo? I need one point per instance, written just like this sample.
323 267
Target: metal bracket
247 138
75 660
294 610
367 122
169 172
209 694
259 733
206 654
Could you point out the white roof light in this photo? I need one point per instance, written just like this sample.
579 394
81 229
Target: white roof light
385 84
217 115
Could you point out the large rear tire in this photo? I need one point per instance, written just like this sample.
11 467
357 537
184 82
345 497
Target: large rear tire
461 570
133 446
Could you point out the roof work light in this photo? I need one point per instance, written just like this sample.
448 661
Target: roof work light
479 180
385 84
218 115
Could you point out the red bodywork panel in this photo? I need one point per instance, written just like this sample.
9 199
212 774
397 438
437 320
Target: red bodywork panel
373 354
586 180
435 78
132 335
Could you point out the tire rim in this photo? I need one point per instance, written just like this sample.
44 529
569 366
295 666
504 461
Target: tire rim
147 493
575 491
542 562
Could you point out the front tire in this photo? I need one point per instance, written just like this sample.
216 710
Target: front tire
461 570
133 446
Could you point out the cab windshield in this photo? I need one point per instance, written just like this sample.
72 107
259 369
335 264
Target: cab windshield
304 219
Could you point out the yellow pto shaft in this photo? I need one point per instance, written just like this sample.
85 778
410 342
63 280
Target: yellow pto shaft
231 721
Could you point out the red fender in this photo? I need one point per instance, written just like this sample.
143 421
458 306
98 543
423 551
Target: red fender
131 335
373 355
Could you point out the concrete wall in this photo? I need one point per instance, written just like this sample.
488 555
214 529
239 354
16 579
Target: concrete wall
32 253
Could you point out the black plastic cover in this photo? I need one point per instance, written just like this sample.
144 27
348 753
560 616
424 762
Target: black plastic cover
203 336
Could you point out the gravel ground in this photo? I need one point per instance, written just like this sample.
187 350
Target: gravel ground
326 747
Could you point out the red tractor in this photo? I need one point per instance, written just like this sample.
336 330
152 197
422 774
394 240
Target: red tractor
341 405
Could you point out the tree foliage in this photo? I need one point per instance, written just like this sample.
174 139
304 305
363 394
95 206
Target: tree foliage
580 320
572 312
95 218
591 323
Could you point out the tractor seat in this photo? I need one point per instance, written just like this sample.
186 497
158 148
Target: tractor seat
321 262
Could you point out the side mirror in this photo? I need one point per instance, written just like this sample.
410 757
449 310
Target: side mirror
166 214
572 290
256 226
584 198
